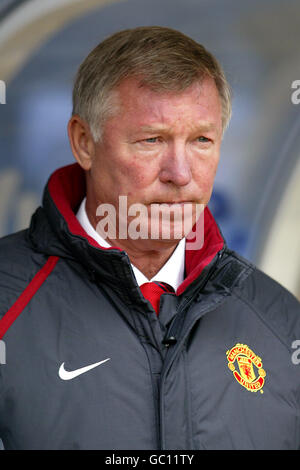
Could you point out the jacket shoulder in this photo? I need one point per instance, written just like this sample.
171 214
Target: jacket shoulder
18 265
273 303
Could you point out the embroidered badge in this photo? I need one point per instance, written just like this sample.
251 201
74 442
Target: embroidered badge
245 360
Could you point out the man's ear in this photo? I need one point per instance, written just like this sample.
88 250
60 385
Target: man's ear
81 141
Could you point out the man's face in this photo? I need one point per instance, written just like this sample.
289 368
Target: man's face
159 147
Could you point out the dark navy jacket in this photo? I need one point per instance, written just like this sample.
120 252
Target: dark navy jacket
213 371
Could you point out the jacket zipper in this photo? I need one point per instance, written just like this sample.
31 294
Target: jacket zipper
176 324
174 328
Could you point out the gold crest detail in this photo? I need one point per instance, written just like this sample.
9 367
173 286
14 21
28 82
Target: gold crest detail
248 364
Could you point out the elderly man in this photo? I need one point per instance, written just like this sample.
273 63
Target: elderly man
128 322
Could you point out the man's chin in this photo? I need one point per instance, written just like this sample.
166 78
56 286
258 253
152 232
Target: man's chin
151 244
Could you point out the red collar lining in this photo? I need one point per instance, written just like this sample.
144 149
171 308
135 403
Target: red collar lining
67 189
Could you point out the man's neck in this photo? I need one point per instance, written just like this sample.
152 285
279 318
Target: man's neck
149 256
149 260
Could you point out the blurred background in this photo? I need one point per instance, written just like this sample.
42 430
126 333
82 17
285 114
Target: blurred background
256 196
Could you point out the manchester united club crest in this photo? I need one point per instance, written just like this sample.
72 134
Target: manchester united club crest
245 364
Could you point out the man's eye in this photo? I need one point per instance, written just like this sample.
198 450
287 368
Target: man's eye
202 139
151 140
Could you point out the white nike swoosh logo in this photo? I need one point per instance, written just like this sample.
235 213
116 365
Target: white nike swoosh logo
68 375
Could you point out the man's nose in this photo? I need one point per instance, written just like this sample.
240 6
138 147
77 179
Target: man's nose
175 166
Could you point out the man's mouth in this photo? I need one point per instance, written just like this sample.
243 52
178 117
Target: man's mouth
171 203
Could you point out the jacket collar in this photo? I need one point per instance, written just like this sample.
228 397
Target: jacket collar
66 237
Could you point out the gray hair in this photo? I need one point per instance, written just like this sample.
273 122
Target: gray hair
162 58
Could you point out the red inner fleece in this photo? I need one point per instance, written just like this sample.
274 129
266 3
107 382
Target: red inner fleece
67 189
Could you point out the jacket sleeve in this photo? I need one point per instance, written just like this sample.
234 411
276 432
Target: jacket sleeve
279 309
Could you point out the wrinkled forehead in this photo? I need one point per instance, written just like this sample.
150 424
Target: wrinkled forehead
140 103
140 85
